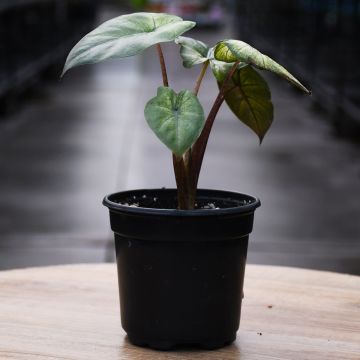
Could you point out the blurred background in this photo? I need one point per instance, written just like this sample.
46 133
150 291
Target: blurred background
65 144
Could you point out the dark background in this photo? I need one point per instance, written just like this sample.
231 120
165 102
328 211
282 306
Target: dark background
65 144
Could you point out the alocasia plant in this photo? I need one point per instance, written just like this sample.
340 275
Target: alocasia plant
178 120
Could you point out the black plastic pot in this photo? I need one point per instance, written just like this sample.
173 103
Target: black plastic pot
181 272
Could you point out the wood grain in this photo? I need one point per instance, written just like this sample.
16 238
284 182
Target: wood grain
71 312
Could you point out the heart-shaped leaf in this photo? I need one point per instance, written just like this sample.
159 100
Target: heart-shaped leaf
233 50
192 51
124 36
249 98
176 119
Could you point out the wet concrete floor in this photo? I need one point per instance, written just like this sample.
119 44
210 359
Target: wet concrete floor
86 136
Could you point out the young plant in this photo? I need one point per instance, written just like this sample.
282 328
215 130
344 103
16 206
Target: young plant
178 120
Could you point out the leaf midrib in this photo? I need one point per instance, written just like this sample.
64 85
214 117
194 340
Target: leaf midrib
143 33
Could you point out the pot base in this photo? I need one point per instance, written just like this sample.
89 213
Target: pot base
169 345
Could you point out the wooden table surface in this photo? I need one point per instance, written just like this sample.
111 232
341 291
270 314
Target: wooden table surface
71 312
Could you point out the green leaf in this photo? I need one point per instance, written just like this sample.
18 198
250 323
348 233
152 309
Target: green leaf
176 119
192 51
233 50
249 98
220 69
124 36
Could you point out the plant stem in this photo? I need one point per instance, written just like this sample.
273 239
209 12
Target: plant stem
162 64
185 201
181 183
182 166
201 76
199 147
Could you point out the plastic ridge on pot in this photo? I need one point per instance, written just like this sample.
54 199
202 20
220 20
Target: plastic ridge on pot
112 202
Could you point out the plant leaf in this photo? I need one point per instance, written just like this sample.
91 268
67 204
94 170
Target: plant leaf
124 36
176 119
192 51
249 98
233 50
220 69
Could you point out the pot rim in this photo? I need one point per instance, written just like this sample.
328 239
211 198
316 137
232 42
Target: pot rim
222 194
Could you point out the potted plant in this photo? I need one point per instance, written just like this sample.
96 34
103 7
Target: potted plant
181 252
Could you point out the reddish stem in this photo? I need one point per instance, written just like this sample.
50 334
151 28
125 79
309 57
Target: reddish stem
162 64
198 150
200 78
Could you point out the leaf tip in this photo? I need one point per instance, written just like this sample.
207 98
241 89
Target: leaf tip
66 68
63 73
178 40
191 23
304 89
